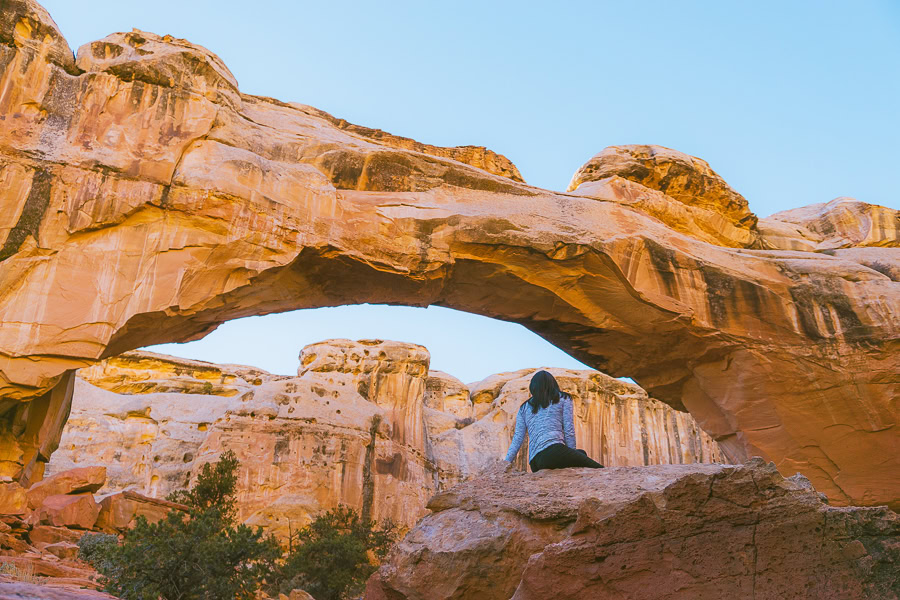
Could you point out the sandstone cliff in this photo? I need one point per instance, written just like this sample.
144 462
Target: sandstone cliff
363 423
668 532
145 199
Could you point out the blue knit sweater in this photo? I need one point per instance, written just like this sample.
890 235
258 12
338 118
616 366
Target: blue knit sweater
552 425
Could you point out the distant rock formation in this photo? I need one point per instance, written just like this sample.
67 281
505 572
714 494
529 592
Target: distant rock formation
668 532
363 423
144 199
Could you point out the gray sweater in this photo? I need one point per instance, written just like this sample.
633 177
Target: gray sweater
552 425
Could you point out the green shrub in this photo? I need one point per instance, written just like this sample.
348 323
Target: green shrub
332 557
216 487
96 549
203 555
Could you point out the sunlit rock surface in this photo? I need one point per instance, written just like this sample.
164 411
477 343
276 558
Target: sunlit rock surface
145 199
363 423
667 532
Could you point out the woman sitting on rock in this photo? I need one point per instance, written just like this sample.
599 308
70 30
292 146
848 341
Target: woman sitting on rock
549 418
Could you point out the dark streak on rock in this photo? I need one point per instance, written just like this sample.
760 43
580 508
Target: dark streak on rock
368 482
32 213
663 260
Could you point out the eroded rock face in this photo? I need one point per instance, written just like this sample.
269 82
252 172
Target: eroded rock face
146 200
364 423
661 532
841 223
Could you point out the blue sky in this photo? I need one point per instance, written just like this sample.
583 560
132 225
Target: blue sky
791 102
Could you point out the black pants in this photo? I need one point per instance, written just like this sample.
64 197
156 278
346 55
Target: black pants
560 456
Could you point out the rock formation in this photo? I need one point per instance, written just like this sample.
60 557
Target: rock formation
667 532
39 533
363 423
145 199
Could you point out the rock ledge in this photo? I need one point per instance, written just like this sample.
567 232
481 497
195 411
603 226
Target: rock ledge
660 532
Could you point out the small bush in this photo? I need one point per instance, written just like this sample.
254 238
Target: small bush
335 554
96 549
203 555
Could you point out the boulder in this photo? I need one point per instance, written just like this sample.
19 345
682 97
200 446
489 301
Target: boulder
668 532
841 223
118 512
44 535
12 542
13 499
680 190
63 550
71 590
74 481
78 511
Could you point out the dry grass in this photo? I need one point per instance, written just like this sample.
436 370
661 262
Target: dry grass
23 573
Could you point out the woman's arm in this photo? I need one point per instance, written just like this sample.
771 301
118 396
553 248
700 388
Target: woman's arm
568 421
518 437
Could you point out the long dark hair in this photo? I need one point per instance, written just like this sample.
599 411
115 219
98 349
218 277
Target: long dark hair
544 391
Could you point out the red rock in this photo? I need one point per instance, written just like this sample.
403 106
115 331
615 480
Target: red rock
73 481
46 534
118 512
9 541
64 550
13 500
78 511
57 589
669 532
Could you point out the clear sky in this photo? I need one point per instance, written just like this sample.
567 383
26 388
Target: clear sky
793 103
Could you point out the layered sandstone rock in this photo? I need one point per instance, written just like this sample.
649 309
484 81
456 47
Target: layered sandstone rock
119 512
662 532
680 190
73 481
364 423
841 223
146 200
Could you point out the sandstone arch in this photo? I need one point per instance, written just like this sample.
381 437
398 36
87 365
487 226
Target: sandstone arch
146 200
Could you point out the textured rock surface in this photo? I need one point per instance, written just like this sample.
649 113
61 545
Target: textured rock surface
76 511
13 499
147 200
364 423
662 532
841 223
680 190
72 481
16 590
120 511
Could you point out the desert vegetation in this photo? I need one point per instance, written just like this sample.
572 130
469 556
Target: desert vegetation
205 553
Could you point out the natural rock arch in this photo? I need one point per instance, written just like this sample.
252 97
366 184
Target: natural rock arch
146 200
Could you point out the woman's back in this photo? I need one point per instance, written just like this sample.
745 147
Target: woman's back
550 425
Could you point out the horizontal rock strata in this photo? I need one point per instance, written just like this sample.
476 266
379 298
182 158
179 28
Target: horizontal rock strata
145 199
363 423
667 532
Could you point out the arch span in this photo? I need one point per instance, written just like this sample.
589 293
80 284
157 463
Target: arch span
147 200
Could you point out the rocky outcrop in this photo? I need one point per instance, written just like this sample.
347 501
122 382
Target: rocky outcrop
662 532
680 190
39 539
147 200
364 423
841 223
